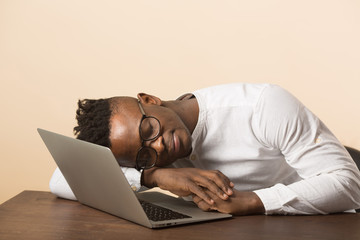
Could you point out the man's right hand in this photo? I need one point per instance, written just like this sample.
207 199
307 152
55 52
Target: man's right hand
189 181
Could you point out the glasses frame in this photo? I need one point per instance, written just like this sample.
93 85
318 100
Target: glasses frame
137 167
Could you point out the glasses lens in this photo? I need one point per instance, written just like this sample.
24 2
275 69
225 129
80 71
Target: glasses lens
146 158
150 128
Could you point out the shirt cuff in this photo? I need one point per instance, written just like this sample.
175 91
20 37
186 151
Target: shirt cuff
59 186
133 176
271 200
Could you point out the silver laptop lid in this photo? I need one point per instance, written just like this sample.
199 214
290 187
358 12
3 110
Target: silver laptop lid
87 183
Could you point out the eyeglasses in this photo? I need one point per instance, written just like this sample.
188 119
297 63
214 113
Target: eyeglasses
149 130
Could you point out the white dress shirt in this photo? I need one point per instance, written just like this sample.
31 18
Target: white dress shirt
266 141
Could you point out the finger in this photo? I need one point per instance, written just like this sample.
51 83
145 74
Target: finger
222 182
216 182
201 204
211 195
196 199
199 192
213 187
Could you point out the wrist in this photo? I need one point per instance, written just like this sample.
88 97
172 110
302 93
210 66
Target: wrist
248 203
256 206
148 178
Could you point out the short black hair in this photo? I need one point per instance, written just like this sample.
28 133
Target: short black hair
93 119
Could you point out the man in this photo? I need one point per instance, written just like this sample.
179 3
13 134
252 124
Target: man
236 148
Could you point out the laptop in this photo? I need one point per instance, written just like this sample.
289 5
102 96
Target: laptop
96 179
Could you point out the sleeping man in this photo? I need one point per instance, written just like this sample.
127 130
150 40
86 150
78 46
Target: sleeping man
235 148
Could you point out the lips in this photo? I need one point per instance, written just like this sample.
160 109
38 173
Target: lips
174 144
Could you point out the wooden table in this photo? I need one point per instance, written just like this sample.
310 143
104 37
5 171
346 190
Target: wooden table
41 215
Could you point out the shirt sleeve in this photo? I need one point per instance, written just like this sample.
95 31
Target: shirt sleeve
330 179
59 186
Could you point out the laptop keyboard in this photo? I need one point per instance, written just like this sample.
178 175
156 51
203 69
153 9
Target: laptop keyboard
157 213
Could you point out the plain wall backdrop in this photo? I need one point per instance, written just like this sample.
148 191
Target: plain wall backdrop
53 53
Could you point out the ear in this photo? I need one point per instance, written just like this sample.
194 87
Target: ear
149 99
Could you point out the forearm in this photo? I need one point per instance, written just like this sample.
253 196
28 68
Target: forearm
323 194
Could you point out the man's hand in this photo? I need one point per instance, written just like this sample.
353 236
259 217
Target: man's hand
240 203
187 181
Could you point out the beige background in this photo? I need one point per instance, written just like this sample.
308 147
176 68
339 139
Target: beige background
54 52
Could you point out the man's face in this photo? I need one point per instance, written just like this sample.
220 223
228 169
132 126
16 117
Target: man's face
174 139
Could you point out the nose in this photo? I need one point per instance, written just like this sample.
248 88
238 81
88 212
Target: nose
158 144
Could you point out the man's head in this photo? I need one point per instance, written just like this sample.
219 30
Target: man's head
114 122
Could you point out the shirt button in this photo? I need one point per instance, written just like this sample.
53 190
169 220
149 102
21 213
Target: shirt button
318 140
193 157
